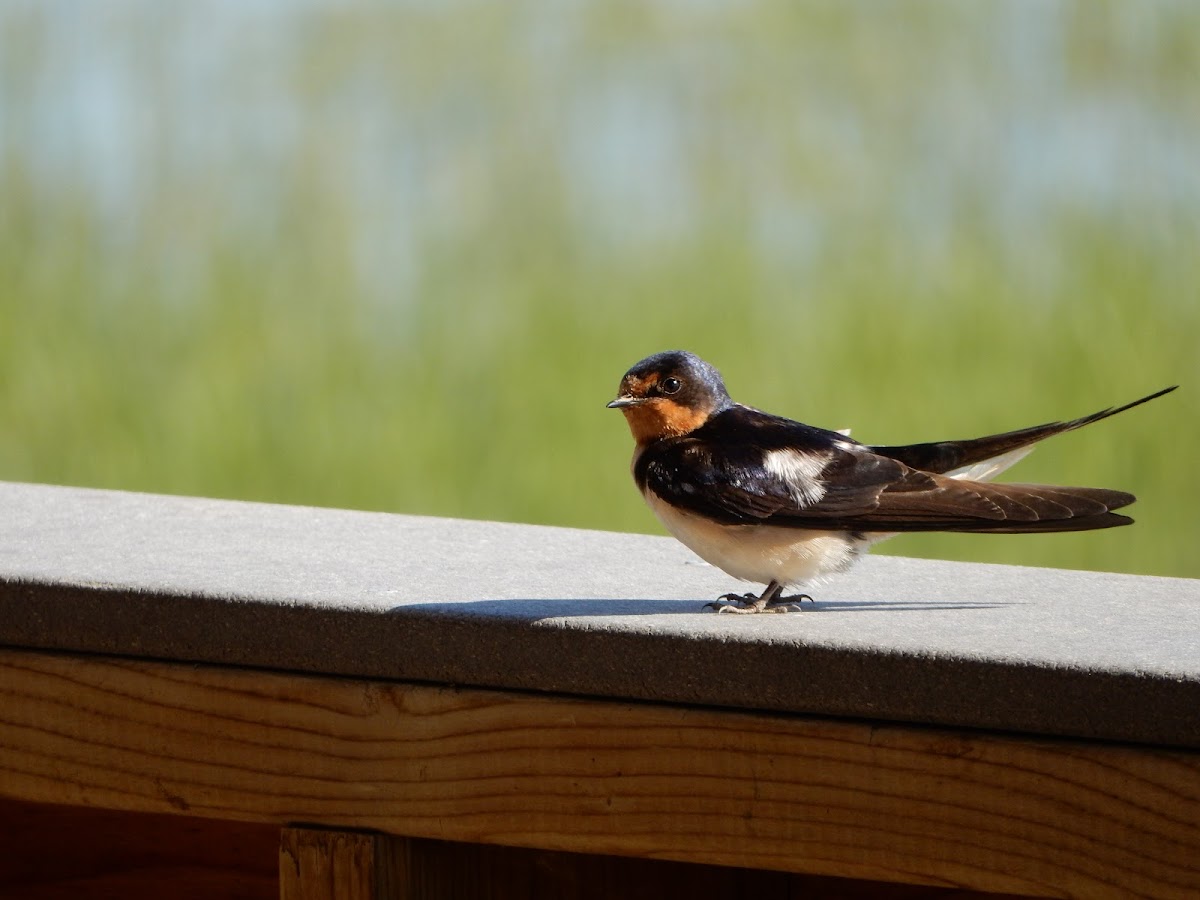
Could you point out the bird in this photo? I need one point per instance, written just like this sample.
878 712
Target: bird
777 502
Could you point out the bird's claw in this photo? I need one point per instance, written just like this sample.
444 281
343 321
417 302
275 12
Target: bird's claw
796 599
738 603
753 603
747 599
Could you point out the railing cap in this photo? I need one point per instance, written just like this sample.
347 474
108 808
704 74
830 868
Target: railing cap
1045 651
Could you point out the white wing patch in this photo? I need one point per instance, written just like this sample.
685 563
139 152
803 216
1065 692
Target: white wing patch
987 469
800 472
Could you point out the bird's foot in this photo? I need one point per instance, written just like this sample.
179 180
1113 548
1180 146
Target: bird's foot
753 603
795 600
738 603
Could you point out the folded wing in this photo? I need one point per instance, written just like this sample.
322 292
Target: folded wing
799 477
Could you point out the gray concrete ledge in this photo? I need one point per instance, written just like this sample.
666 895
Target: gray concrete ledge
1043 651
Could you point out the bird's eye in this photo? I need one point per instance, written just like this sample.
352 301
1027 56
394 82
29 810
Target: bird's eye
671 385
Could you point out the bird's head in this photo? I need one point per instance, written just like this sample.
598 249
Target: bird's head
669 394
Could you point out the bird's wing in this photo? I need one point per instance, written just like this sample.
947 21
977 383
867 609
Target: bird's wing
783 473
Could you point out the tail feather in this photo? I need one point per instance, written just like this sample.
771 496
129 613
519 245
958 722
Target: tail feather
991 454
987 469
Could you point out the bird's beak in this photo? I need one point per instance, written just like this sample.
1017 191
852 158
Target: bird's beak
625 400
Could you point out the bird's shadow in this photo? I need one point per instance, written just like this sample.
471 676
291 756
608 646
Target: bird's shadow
579 607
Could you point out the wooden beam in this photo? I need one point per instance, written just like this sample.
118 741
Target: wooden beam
855 800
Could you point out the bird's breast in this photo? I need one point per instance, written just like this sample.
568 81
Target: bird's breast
759 553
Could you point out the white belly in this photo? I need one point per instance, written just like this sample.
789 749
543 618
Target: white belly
759 553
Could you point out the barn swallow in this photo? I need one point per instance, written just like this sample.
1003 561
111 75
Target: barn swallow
781 503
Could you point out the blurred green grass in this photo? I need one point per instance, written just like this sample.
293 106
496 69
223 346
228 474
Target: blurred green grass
193 354
285 394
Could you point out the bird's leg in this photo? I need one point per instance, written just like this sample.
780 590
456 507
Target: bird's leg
767 602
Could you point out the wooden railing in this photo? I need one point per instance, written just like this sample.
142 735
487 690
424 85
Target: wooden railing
208 698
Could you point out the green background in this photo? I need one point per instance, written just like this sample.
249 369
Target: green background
398 257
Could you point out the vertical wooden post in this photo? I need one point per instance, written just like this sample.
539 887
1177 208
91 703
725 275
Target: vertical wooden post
316 864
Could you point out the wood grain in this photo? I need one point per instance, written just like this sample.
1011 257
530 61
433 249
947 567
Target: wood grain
891 803
317 864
